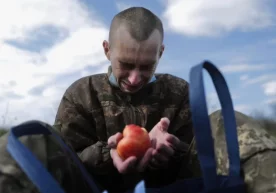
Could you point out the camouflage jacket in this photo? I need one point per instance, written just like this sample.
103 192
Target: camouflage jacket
92 110
51 155
257 152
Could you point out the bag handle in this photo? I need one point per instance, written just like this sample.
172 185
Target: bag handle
33 168
202 128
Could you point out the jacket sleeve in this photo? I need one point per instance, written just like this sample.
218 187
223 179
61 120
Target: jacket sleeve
182 127
76 125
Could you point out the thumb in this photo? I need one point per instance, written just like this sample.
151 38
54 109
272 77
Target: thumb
114 139
164 124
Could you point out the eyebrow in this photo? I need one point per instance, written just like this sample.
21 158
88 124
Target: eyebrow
128 61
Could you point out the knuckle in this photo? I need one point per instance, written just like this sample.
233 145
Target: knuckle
169 136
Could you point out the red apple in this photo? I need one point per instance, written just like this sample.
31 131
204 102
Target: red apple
135 142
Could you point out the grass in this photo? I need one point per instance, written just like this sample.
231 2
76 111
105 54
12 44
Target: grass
3 131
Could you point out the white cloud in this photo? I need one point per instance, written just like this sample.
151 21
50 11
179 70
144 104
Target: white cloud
270 88
21 70
244 77
260 79
24 15
270 101
214 17
244 67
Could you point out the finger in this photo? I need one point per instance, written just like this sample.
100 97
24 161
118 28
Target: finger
172 140
162 125
155 164
127 165
114 139
160 158
145 160
165 122
165 149
123 166
176 143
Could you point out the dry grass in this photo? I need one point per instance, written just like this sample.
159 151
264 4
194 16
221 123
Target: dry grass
2 132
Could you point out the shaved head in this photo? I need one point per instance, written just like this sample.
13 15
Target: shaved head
139 22
134 48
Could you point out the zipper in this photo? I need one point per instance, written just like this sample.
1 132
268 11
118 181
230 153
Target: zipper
131 110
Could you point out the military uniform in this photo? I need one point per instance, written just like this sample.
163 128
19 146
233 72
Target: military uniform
92 109
257 152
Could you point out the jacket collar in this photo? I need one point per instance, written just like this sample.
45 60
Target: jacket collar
112 79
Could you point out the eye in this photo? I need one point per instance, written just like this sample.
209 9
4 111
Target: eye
147 67
126 66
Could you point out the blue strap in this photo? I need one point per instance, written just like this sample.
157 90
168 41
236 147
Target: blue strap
33 168
202 128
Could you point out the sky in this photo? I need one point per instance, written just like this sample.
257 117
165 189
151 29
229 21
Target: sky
47 45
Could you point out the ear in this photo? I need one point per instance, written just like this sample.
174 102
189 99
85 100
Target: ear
106 49
161 50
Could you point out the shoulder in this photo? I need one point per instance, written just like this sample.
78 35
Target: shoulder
253 138
85 86
87 82
173 84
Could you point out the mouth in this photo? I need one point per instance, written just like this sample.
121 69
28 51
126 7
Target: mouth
131 88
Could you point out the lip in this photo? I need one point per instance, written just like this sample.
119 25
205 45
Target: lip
131 88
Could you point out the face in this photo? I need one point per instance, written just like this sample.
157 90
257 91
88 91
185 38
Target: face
133 63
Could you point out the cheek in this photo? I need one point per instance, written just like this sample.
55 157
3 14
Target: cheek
149 73
121 74
117 71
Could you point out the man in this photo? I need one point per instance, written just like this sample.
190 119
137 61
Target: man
95 109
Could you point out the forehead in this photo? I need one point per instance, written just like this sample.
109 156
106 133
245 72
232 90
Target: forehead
127 48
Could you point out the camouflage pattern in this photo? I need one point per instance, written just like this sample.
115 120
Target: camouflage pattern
49 153
92 110
257 152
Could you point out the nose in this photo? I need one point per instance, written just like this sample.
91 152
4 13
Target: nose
134 78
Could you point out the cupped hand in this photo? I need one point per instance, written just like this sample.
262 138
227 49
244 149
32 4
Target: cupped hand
131 164
164 144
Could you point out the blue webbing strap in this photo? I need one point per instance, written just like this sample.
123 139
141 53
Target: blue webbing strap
33 168
202 128
205 146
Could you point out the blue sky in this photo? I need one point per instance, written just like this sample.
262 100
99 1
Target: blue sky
47 45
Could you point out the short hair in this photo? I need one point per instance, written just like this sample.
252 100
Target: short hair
139 21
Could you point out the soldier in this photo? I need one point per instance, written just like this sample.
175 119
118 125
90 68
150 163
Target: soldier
95 109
